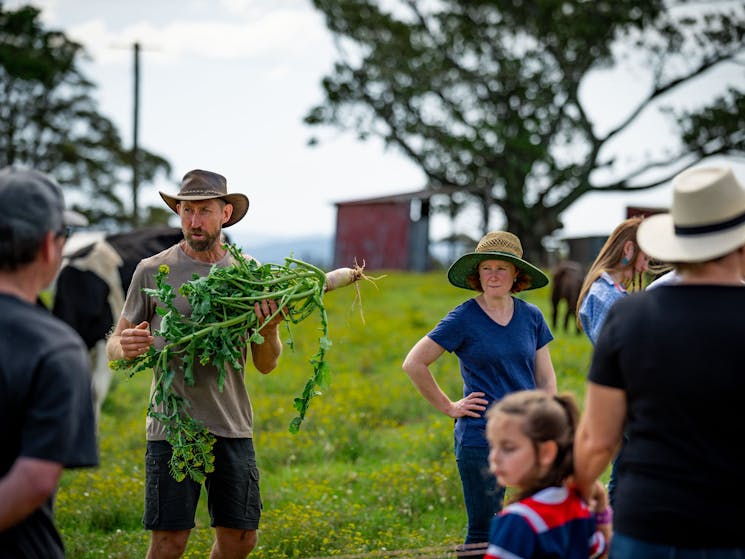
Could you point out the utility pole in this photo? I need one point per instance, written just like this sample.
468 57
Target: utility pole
135 139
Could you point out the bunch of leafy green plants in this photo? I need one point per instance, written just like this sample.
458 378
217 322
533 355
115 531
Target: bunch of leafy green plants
220 328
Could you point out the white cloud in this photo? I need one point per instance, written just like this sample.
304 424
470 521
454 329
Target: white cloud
271 36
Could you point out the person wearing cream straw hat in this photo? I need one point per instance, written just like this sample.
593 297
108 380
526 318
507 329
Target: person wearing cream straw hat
204 206
501 343
668 364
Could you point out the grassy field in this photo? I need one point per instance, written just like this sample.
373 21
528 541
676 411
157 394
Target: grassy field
372 467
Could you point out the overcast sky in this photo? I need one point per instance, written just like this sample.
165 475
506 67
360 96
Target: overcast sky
224 87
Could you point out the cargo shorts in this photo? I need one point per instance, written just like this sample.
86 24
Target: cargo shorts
233 497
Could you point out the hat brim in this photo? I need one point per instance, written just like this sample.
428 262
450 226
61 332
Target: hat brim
237 200
656 237
466 265
74 219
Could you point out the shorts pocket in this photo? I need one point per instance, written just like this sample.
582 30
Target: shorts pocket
253 494
152 476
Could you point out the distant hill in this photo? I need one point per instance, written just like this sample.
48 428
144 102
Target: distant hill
315 249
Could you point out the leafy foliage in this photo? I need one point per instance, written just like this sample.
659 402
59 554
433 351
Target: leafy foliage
222 315
487 97
49 120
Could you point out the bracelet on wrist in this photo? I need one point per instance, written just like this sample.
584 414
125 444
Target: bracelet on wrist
604 517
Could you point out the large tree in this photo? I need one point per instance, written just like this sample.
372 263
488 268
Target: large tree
486 95
49 121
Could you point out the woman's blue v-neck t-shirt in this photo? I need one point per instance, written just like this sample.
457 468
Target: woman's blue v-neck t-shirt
494 359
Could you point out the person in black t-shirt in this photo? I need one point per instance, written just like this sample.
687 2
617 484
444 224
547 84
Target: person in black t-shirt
46 410
669 363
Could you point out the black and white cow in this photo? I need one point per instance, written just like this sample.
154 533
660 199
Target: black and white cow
91 286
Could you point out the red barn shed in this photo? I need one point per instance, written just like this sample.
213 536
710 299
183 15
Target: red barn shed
387 232
643 211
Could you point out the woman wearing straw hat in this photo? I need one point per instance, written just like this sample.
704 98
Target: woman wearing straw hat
502 346
669 365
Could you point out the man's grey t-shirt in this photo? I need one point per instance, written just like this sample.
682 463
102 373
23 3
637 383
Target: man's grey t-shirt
224 414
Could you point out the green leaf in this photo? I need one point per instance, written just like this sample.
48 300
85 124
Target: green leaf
295 425
188 364
324 375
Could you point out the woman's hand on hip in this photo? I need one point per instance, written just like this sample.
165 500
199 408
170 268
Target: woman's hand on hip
472 405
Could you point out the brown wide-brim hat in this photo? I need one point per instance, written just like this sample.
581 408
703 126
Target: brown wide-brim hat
706 220
496 245
205 185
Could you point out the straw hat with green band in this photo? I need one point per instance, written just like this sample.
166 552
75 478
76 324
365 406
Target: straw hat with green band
496 245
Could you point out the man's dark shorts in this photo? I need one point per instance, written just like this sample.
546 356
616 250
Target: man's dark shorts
233 498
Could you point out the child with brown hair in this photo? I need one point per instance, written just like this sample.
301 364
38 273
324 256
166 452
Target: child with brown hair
531 438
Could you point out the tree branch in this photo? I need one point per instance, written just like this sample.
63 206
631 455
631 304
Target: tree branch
661 90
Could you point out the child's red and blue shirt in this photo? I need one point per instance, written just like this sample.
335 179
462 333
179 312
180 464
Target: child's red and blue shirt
553 523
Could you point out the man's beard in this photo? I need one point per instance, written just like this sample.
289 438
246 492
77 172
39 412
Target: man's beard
202 245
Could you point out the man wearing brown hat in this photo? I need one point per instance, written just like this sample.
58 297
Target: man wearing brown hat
204 207
46 409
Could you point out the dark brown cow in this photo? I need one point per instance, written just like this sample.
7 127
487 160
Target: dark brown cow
566 284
